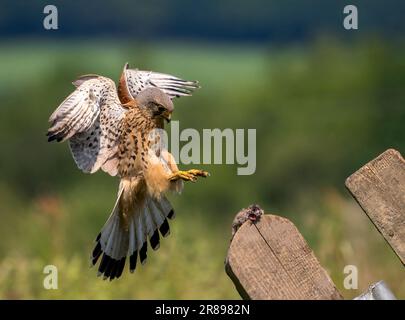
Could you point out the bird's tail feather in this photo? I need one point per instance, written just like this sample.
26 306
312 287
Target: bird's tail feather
120 238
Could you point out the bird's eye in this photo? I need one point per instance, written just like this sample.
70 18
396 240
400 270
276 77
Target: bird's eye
161 109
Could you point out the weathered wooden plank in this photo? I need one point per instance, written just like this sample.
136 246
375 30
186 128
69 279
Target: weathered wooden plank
271 260
379 188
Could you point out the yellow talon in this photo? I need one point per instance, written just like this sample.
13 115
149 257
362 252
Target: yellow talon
199 173
190 175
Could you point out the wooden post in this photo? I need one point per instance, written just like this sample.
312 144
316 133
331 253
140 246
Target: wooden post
379 188
271 260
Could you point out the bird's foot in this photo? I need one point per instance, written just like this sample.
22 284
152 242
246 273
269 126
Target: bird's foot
189 175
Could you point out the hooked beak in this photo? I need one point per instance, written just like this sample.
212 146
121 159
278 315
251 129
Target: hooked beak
167 116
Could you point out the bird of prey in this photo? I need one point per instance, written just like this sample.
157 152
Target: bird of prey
112 130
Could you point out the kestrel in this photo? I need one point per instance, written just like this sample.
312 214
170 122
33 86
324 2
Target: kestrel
115 131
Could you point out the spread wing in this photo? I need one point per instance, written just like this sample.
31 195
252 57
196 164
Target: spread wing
91 118
136 80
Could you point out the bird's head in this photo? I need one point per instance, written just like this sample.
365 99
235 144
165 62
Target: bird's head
156 103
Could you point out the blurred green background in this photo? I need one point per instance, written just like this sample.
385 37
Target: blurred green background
323 105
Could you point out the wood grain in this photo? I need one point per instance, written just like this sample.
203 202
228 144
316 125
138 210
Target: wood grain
271 260
379 188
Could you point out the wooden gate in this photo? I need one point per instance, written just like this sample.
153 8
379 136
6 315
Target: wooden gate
270 259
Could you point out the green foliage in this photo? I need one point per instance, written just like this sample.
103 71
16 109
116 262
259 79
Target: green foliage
320 112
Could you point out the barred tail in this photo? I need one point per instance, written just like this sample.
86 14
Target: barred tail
120 238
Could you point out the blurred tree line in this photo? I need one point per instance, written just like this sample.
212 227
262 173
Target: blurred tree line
228 20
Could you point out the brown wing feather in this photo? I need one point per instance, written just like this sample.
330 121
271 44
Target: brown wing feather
134 81
91 119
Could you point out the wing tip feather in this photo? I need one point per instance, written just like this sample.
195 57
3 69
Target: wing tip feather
83 78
